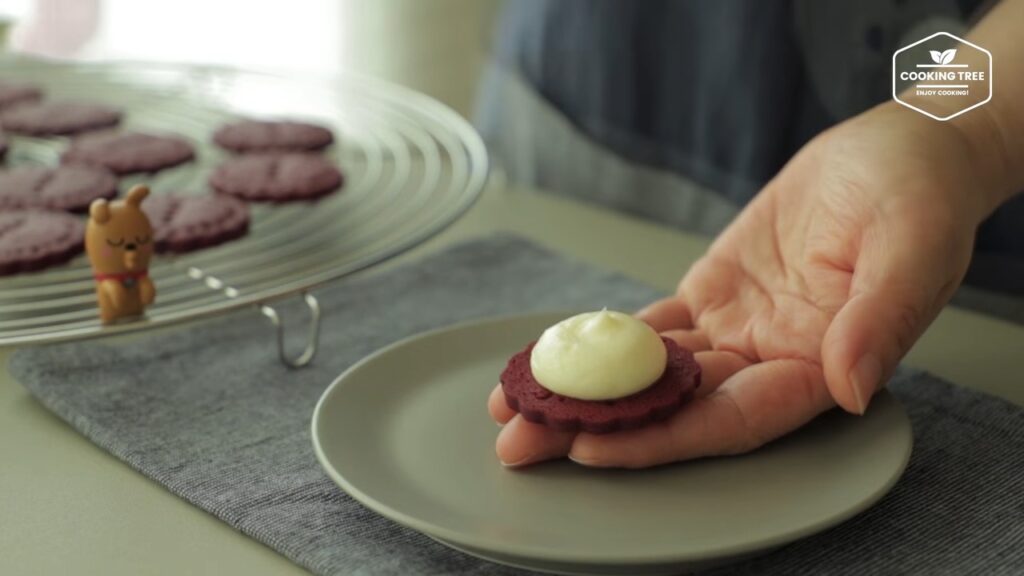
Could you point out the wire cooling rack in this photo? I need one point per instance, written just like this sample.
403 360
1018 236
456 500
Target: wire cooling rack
411 166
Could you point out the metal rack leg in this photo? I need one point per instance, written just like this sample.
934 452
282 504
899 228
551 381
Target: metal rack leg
312 340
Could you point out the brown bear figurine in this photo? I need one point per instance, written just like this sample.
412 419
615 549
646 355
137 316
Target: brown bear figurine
119 241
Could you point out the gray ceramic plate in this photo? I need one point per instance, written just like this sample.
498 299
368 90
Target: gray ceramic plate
406 432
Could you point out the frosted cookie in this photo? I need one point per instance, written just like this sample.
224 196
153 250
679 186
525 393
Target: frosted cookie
600 372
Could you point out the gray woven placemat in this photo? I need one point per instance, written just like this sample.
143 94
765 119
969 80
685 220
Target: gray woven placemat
210 413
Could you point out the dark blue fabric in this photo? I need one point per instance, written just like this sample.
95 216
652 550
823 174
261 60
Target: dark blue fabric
671 84
725 92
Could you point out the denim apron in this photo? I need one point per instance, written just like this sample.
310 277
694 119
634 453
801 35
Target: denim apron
680 111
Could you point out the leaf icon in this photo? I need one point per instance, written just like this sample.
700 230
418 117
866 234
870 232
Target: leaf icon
936 56
948 55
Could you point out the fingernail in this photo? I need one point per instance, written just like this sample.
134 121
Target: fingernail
581 461
864 380
518 463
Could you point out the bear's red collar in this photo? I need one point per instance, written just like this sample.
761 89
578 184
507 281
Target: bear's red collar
122 276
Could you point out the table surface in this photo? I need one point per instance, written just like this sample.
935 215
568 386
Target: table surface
67 505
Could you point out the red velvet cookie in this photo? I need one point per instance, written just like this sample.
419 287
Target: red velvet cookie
34 239
70 188
187 223
276 177
14 93
268 136
658 401
128 152
58 118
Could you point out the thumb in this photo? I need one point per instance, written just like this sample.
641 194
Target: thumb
865 342
897 290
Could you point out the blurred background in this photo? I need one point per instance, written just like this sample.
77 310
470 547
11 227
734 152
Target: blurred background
397 40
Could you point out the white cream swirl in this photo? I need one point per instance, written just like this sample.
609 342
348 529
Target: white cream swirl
598 356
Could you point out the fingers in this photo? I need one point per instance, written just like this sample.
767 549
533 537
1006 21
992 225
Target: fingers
497 406
670 313
671 317
756 405
899 285
692 340
716 367
521 442
865 342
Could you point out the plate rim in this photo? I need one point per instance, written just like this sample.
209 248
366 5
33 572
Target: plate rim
511 548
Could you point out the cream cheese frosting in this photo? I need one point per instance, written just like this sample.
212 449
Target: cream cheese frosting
598 356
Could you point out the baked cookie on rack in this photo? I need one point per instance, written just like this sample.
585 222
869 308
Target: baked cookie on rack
14 93
58 118
272 136
35 239
183 223
277 177
70 188
128 152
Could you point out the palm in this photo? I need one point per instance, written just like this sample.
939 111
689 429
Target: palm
759 292
846 251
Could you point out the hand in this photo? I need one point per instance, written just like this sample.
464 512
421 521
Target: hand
807 300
